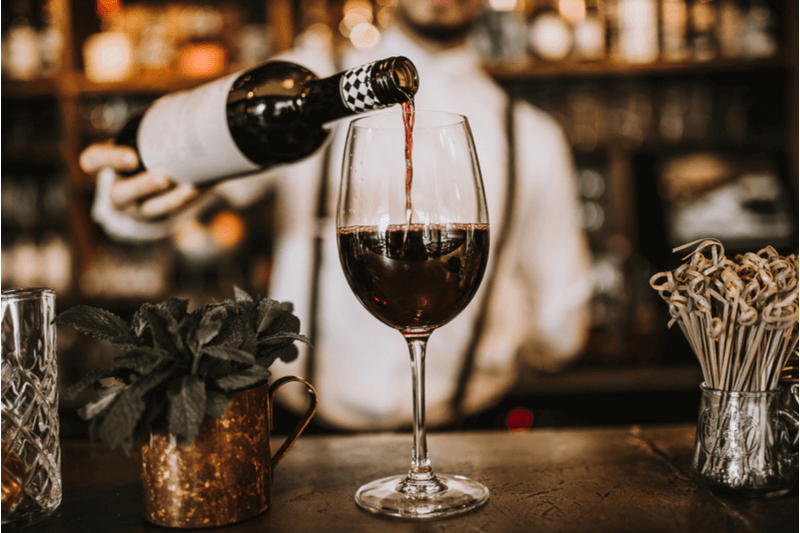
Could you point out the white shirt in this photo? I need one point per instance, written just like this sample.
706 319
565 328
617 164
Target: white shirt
362 374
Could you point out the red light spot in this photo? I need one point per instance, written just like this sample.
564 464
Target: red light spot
105 8
519 419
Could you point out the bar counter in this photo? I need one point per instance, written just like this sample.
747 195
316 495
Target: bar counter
567 480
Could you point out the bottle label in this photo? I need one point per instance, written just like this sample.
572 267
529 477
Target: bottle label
357 93
186 136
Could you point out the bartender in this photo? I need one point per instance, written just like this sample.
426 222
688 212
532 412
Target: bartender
532 304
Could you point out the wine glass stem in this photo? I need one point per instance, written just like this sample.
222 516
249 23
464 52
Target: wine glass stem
421 470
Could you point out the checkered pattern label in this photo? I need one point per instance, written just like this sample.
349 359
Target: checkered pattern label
357 92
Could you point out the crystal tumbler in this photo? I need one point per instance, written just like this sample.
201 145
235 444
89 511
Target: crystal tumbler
31 464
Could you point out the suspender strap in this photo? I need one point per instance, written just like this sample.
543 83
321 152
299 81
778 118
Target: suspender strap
321 214
502 232
316 261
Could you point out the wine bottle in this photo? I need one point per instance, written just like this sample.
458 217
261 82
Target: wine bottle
271 114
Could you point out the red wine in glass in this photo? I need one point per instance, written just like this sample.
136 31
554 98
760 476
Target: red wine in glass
417 277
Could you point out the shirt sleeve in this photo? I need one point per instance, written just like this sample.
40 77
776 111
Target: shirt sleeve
554 262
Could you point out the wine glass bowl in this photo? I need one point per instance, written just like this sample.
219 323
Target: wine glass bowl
414 278
413 243
413 260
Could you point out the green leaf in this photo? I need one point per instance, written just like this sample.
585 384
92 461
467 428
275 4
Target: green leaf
249 342
233 329
119 424
187 408
153 415
90 410
159 329
139 322
118 427
226 353
281 337
210 325
242 296
184 333
175 308
92 377
285 321
143 359
217 403
268 311
166 320
211 368
97 323
248 378
94 424
287 354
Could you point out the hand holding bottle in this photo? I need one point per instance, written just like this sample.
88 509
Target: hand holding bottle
253 120
250 121
144 196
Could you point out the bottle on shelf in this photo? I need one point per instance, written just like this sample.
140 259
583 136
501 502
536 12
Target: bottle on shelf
674 24
272 114
589 33
702 22
21 57
636 31
109 56
758 39
729 28
550 36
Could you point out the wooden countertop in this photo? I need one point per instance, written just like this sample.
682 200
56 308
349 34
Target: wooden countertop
566 480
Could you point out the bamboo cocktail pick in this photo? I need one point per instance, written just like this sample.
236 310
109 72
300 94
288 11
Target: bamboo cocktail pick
739 316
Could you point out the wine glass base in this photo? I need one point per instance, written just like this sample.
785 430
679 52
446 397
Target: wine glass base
445 495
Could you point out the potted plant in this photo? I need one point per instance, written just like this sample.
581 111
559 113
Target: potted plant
191 388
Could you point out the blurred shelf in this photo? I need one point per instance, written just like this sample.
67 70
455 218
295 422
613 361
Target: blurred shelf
73 84
622 379
34 152
537 69
144 82
43 87
719 143
55 222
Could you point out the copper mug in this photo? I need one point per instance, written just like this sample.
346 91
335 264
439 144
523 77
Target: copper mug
226 474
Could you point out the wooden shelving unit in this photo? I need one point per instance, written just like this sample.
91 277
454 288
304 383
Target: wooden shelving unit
538 69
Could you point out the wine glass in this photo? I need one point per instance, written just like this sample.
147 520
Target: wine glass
414 247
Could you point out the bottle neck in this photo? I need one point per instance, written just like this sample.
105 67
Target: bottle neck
361 89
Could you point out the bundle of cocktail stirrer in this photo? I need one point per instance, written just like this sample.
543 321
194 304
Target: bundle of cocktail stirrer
740 316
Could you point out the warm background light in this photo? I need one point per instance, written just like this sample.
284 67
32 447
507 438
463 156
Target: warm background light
108 57
365 36
355 12
227 229
201 60
503 5
572 10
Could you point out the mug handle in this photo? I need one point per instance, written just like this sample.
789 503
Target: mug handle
301 424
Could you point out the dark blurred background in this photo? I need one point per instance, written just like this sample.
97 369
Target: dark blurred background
682 115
